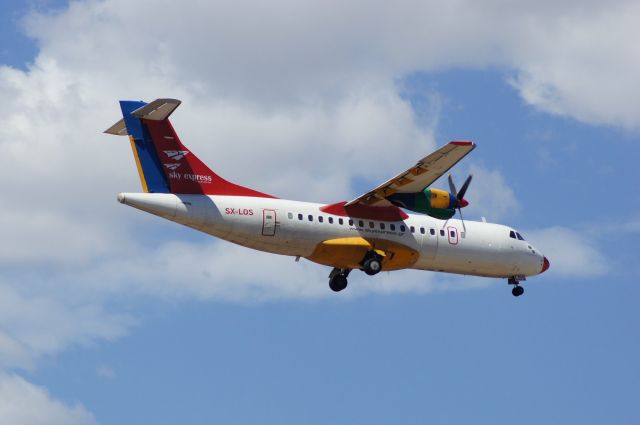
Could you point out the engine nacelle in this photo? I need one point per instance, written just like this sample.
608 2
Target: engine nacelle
434 202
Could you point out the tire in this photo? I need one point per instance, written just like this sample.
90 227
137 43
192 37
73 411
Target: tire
517 291
372 266
338 283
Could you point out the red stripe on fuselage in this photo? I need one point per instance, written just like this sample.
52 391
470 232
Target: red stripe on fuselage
390 213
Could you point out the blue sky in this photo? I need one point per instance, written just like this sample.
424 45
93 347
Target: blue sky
108 315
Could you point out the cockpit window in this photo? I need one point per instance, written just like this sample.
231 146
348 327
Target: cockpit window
512 234
519 236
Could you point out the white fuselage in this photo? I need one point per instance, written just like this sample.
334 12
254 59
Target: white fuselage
296 228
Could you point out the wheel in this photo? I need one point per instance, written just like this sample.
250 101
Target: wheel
517 291
371 266
338 283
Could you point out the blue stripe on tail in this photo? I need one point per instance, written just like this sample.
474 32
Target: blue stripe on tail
153 175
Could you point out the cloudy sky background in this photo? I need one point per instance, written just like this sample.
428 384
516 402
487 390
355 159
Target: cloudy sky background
108 315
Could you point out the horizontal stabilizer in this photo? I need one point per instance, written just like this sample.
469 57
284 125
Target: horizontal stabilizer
158 110
118 129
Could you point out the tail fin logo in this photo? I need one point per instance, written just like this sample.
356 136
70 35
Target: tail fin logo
172 166
176 155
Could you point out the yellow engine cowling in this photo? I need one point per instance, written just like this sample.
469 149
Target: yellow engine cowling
347 253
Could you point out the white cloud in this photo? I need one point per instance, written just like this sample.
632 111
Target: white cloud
571 253
581 64
44 314
317 150
22 403
49 236
572 58
489 195
221 270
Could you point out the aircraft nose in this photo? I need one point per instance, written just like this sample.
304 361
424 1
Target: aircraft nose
545 265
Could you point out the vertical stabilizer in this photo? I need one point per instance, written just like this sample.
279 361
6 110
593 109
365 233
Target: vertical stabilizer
165 165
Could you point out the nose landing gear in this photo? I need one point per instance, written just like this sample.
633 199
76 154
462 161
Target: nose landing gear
517 289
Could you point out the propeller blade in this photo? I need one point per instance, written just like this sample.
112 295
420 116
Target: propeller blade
452 187
462 219
464 188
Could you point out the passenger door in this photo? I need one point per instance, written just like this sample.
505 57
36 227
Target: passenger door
268 222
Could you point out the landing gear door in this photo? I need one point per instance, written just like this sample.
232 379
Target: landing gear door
268 222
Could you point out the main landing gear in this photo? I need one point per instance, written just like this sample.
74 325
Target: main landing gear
338 279
371 264
517 289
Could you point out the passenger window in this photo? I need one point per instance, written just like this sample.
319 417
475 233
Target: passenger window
310 217
441 232
392 227
330 220
371 224
402 228
290 215
361 223
340 222
382 226
432 231
413 229
512 234
350 222
422 230
299 216
452 233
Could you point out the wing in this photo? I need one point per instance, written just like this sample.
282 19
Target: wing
419 176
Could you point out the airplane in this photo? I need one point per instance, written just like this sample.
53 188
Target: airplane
373 232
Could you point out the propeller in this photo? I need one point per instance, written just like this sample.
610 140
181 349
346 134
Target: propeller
460 201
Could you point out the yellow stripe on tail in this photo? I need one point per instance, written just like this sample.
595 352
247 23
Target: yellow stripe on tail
143 181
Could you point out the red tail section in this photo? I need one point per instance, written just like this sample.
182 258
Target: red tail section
164 163
184 172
